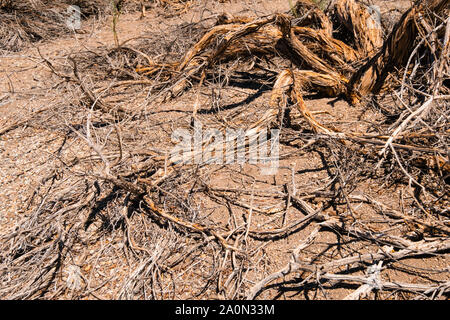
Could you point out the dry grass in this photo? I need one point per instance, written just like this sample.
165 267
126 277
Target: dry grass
113 217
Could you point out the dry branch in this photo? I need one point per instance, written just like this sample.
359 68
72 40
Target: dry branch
364 28
119 195
371 77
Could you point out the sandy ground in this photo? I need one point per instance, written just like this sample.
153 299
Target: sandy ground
29 153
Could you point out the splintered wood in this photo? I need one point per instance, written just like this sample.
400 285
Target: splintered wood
352 62
359 187
322 64
308 39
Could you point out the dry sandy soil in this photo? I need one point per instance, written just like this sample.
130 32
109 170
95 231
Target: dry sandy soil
110 244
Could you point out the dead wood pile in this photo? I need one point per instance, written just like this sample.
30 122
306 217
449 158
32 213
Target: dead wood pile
142 205
324 64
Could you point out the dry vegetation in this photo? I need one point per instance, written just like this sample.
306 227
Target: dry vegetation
359 208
